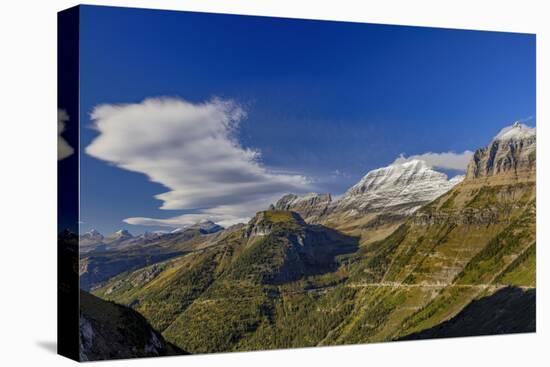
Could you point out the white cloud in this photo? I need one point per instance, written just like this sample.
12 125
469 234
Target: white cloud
192 150
448 160
64 150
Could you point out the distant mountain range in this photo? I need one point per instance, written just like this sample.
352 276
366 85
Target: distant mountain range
405 252
102 258
94 241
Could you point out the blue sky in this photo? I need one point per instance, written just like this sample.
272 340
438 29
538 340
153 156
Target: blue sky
324 101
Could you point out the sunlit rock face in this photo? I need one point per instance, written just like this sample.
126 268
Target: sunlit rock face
510 157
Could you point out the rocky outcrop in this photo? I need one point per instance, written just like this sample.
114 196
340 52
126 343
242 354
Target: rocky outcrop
264 222
311 206
511 156
500 179
111 331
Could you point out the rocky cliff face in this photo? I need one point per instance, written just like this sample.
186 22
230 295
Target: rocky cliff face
500 179
402 188
311 206
511 156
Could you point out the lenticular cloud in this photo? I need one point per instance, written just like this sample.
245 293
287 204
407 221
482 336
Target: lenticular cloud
192 150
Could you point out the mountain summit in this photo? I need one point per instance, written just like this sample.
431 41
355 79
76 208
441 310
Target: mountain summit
510 157
121 234
399 187
207 226
204 227
93 234
91 241
517 131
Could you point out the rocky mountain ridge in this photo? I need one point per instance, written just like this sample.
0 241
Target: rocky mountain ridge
401 188
311 206
378 203
500 179
510 157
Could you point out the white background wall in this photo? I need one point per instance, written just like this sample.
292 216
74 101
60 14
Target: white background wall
28 181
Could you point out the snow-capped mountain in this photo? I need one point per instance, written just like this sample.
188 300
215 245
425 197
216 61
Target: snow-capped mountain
397 190
119 236
92 235
91 241
123 233
401 187
510 156
204 226
150 235
517 131
207 226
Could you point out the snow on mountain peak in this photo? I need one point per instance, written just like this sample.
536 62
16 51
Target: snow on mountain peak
517 131
396 174
204 225
92 235
207 226
417 163
122 233
401 184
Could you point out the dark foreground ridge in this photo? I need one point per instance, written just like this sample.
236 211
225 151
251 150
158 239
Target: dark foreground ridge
111 331
510 310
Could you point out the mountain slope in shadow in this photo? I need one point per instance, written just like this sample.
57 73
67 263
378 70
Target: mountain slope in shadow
111 331
509 310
